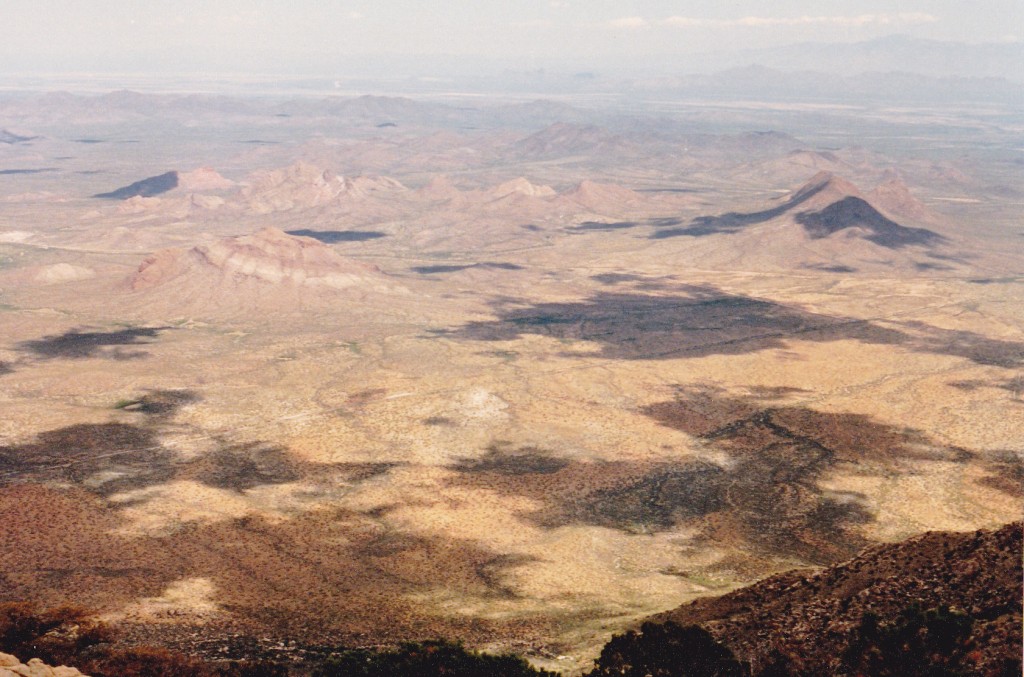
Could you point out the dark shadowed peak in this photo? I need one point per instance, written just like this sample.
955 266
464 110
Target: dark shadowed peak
828 204
855 212
154 185
821 188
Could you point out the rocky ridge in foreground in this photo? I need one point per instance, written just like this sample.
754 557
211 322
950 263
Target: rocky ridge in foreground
942 603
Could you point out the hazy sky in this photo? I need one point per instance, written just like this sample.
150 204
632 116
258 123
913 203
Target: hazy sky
292 35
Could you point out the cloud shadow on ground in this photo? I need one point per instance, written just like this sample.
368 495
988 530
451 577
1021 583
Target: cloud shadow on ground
77 345
761 495
336 236
702 320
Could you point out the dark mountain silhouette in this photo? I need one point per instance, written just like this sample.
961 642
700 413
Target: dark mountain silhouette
855 212
148 187
828 204
733 222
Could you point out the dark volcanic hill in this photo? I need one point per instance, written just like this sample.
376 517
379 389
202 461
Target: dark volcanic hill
855 212
942 603
824 206
149 187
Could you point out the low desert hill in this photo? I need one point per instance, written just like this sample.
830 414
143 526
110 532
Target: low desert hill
299 185
267 269
204 179
601 197
304 185
566 139
54 273
520 186
895 198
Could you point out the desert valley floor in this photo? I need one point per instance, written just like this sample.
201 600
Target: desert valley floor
363 369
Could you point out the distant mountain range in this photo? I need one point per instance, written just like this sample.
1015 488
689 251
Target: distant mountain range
981 67
892 53
771 83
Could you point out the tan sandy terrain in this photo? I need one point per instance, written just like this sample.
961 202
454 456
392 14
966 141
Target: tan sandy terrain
480 401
